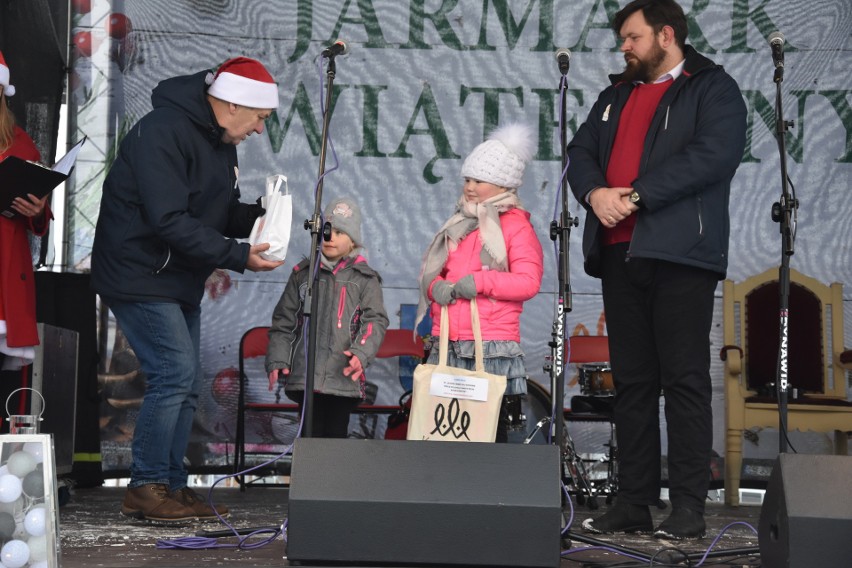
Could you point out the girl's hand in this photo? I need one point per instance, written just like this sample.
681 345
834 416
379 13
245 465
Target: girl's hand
442 292
466 287
355 368
273 377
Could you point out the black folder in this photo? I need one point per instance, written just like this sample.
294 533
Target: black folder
19 177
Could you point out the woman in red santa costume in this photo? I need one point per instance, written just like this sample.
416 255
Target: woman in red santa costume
18 333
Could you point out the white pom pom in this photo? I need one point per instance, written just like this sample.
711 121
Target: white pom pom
208 79
518 138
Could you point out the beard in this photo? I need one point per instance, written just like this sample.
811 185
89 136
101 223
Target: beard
644 70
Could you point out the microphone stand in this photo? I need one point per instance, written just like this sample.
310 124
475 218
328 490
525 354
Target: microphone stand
561 231
314 226
782 212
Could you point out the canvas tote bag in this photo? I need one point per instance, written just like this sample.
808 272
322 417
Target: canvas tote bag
455 405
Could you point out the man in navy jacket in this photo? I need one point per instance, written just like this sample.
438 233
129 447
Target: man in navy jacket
653 165
170 214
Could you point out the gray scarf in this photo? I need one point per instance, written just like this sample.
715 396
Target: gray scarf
468 217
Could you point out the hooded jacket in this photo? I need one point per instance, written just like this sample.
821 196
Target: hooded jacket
169 201
500 295
693 147
351 317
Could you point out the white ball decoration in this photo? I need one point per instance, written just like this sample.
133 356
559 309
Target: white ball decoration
38 548
10 488
21 463
15 554
36 450
35 521
13 507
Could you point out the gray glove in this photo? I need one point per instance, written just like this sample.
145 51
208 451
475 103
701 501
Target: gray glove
442 292
466 287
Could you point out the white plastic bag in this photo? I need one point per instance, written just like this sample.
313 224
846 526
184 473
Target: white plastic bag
273 227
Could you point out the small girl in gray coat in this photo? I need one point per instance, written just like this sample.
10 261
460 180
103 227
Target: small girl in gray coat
351 321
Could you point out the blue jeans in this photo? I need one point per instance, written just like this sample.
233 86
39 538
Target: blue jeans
166 339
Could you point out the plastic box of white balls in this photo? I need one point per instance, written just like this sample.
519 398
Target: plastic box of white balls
29 523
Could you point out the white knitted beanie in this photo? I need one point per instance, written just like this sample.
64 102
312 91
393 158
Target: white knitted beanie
502 157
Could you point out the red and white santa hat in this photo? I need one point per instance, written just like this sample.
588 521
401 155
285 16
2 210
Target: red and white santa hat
244 81
8 89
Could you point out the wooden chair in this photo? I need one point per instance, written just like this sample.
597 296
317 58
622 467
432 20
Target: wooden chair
816 358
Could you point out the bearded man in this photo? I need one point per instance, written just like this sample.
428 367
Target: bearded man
653 165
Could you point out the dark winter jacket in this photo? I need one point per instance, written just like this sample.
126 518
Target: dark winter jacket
692 149
169 200
351 317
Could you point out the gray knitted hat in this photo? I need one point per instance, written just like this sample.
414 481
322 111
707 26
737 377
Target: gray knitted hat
502 157
345 216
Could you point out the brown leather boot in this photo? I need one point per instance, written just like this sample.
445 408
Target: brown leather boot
152 502
187 497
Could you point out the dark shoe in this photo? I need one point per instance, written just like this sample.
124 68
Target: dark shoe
622 517
682 523
152 502
189 498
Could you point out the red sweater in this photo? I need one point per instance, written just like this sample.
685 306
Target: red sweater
627 149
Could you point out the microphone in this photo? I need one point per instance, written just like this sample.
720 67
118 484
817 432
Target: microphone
339 47
563 57
776 42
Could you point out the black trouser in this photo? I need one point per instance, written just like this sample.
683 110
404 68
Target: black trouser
330 413
512 400
658 318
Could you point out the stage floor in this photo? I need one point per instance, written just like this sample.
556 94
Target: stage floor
94 534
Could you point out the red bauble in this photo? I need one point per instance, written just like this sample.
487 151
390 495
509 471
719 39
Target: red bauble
83 43
82 6
118 26
226 386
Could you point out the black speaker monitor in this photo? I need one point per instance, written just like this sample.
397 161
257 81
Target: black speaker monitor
420 502
806 518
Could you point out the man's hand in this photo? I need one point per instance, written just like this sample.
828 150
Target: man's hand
611 204
273 377
354 368
257 263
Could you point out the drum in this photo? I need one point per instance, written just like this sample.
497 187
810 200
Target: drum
534 406
596 379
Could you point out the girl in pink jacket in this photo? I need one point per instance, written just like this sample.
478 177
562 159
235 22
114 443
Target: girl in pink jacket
488 250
